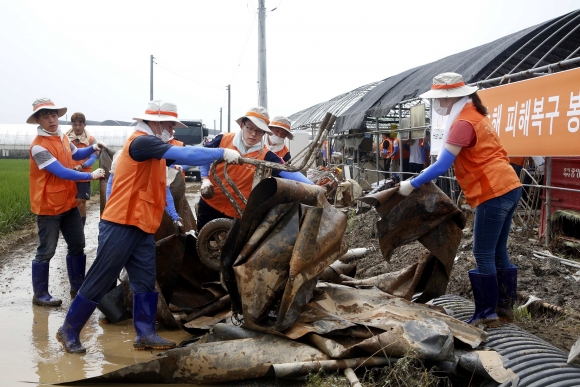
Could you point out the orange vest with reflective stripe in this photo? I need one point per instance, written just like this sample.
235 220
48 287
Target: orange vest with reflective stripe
138 193
483 171
79 145
282 152
242 176
49 194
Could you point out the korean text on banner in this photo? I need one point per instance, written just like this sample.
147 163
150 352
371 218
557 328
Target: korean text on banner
537 117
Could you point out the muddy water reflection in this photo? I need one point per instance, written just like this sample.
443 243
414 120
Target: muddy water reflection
30 353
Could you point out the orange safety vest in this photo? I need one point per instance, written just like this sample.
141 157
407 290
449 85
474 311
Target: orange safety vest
138 193
79 145
389 148
242 176
49 194
282 152
483 171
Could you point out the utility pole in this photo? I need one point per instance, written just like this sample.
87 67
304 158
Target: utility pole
262 78
220 120
229 105
151 80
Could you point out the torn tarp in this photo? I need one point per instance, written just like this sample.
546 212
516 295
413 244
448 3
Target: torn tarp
426 215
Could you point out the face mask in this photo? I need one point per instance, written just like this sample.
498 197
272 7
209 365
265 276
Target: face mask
442 111
165 136
275 140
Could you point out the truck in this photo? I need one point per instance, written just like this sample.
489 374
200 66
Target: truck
194 135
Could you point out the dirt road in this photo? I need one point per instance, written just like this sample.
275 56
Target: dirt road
30 353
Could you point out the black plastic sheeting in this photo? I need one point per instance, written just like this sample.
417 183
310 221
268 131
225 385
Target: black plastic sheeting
473 64
536 362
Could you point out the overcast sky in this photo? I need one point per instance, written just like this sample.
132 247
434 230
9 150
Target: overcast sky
94 56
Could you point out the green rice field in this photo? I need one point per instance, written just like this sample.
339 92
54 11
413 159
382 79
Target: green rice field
15 196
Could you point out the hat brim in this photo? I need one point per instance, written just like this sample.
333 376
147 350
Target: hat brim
59 110
450 93
289 133
258 122
160 118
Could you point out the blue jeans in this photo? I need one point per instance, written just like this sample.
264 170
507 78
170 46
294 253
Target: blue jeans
121 246
70 224
493 219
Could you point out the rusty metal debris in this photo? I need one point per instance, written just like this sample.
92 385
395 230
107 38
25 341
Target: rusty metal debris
426 215
273 264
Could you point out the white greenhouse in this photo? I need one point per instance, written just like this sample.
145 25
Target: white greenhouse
15 139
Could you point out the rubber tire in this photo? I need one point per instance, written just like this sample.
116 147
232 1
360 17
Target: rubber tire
210 241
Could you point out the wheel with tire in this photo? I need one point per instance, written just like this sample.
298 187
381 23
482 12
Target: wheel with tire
211 239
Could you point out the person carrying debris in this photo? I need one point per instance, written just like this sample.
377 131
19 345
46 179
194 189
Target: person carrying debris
280 127
53 199
489 184
132 215
82 139
249 141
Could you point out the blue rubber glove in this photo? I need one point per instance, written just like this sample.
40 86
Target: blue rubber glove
190 155
170 207
57 169
435 170
83 153
109 187
296 176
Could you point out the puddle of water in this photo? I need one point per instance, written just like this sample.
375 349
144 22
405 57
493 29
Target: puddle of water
30 353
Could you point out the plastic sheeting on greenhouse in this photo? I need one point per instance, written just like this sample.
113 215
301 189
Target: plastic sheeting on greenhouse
18 137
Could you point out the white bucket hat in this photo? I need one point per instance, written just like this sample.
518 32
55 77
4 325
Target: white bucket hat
160 111
44 103
259 116
282 123
448 85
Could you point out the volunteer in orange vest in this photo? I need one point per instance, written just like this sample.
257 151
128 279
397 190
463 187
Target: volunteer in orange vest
385 151
249 141
395 155
280 127
132 215
489 184
82 139
52 199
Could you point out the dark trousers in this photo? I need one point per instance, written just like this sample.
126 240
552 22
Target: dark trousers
386 166
415 167
70 224
121 246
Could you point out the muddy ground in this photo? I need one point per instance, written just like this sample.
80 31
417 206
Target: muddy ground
36 357
546 279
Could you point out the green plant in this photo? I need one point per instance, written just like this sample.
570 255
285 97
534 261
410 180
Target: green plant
15 194
321 379
522 314
408 371
351 223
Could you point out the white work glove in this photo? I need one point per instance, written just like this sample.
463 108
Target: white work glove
405 188
99 146
207 191
231 156
98 173
78 168
178 167
178 226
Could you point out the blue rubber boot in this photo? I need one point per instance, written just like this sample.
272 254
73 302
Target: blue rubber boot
75 266
485 295
40 285
507 281
78 314
144 311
